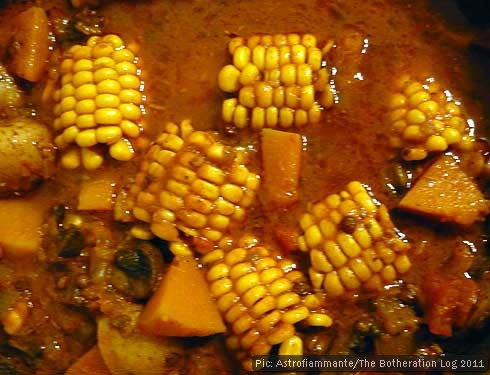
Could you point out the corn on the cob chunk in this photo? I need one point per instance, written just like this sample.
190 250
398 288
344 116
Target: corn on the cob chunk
280 80
255 294
190 182
424 118
99 103
352 242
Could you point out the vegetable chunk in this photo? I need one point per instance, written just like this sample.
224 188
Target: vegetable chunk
97 194
281 159
30 44
446 193
20 224
182 305
89 364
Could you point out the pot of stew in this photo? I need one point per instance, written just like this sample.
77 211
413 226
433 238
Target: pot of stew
219 187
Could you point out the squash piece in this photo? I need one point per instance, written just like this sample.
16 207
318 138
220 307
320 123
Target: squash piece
281 162
97 194
20 226
446 193
30 46
91 363
182 305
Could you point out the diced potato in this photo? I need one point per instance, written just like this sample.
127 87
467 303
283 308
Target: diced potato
97 194
182 305
30 44
91 363
281 161
20 226
446 193
127 351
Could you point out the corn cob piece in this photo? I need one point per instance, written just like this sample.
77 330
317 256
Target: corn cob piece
99 103
280 80
255 293
191 182
352 243
424 118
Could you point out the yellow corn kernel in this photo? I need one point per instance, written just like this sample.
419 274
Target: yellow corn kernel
307 97
319 261
108 86
91 158
258 57
241 57
240 116
362 237
314 58
348 277
86 138
249 75
271 116
313 236
264 306
234 43
229 78
332 284
242 324
270 275
130 111
71 159
123 55
287 299
286 117
205 189
258 118
263 94
141 232
436 143
316 278
130 129
70 134
107 116
414 154
129 81
280 286
296 315
334 254
68 118
108 134
298 54
246 97
122 150
292 346
319 320
218 271
304 75
221 287
402 263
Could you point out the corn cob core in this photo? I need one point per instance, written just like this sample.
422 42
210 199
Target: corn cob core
99 103
255 294
191 182
280 80
425 118
352 243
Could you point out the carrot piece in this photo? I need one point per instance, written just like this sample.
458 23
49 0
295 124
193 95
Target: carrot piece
182 305
20 226
281 161
91 363
446 193
97 194
30 44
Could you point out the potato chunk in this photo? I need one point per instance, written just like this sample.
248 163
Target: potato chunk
26 156
446 193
